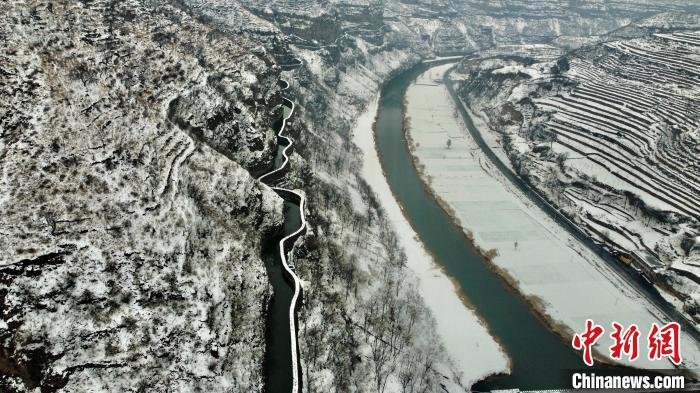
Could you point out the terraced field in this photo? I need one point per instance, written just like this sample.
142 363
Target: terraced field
611 134
632 118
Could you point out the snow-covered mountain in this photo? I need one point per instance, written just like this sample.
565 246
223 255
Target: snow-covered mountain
131 226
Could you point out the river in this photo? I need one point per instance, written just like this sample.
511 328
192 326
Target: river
540 358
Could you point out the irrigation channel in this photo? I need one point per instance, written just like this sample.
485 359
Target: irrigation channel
282 368
540 358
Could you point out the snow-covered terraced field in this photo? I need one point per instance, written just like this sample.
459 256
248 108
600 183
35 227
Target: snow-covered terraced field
612 137
637 132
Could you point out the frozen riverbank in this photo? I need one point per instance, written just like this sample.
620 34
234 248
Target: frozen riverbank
467 340
567 283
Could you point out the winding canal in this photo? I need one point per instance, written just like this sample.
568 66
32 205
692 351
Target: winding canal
282 368
540 358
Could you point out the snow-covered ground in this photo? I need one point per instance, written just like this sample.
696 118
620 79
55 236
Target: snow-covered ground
466 338
572 283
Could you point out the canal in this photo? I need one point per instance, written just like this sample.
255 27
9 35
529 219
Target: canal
281 368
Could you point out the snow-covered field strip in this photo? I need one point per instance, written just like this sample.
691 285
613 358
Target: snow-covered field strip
657 58
631 173
466 339
573 283
679 38
667 157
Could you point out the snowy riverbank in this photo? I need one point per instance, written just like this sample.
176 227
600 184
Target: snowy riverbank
565 282
467 341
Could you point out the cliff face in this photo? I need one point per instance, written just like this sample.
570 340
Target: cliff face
480 24
130 237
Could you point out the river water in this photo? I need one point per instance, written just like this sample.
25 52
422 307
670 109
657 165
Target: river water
540 358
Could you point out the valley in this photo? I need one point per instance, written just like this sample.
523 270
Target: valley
219 194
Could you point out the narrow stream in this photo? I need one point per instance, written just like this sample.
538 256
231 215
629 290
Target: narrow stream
540 358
